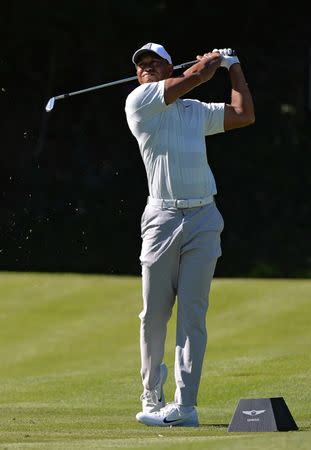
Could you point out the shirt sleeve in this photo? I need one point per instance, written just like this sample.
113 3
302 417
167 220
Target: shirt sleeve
146 101
213 118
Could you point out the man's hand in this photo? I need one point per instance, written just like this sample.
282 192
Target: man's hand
228 57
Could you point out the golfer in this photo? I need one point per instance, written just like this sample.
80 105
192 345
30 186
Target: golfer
181 225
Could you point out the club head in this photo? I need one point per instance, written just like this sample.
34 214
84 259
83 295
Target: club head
50 104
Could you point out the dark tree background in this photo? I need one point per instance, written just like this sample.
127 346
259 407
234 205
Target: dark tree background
72 183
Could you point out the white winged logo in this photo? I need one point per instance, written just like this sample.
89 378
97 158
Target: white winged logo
254 412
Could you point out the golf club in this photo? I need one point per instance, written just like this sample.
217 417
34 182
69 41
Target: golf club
50 103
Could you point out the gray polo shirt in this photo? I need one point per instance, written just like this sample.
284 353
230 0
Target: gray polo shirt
171 140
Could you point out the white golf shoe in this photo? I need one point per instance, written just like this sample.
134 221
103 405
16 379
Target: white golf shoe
171 415
154 400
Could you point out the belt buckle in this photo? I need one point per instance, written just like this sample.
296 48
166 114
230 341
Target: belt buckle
182 204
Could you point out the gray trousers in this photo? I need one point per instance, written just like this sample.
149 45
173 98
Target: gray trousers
180 248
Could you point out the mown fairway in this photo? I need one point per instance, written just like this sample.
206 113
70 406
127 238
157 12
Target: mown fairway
69 363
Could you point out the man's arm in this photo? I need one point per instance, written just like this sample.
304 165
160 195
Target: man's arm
240 112
199 73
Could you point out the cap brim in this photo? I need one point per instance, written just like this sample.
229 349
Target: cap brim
141 52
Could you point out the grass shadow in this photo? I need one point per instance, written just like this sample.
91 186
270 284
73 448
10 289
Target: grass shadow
214 425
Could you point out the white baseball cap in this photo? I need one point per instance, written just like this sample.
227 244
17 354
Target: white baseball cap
154 48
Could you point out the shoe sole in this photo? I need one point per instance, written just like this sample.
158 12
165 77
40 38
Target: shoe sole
169 425
152 423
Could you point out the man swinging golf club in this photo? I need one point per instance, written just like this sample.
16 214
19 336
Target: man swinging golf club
181 225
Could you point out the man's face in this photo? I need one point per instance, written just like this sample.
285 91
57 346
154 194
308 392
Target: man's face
151 68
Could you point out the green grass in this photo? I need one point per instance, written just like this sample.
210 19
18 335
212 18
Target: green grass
69 363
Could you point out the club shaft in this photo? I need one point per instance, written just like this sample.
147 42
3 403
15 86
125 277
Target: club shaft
112 83
100 86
